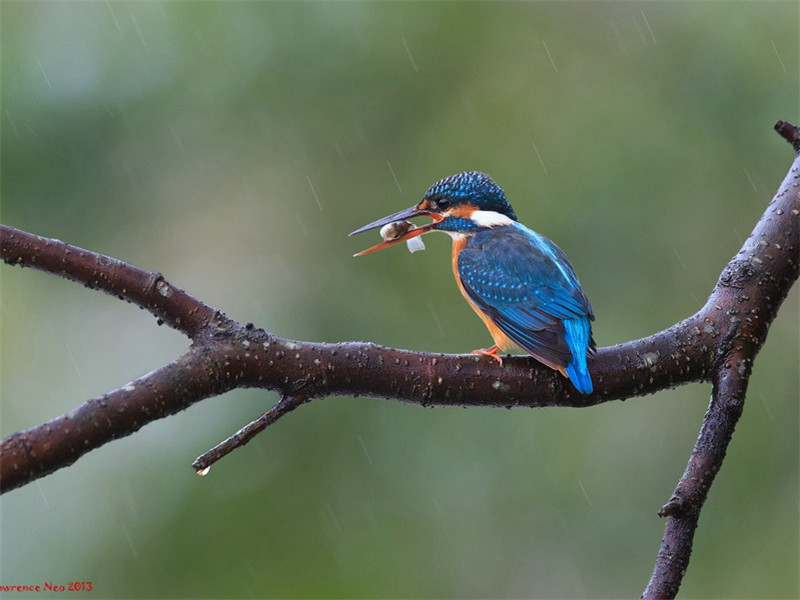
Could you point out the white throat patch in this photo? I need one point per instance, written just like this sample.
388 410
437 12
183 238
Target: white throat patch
490 218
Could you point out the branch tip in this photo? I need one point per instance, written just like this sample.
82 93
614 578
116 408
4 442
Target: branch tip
790 133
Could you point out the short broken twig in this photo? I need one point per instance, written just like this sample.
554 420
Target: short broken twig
286 404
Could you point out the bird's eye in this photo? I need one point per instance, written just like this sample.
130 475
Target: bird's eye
443 202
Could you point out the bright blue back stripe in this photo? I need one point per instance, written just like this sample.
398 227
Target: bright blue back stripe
576 334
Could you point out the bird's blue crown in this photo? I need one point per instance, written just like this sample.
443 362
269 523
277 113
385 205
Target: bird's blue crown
471 187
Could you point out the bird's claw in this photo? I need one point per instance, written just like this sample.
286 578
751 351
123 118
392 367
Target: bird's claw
492 352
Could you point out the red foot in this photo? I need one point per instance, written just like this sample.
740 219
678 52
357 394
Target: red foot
490 352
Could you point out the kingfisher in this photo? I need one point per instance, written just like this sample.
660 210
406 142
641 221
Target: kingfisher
519 283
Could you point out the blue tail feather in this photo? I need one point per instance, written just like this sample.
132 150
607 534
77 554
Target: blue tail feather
578 333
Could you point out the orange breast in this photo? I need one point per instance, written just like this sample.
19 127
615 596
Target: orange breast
500 338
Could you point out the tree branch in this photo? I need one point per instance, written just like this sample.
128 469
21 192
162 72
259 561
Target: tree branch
743 276
38 451
683 509
717 344
146 289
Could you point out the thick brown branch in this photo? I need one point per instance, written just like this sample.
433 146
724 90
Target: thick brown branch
242 356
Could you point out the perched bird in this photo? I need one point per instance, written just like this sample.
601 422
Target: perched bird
519 283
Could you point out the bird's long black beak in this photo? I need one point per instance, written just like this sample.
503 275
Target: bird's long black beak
399 216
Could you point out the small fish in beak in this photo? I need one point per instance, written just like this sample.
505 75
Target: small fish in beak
392 231
396 228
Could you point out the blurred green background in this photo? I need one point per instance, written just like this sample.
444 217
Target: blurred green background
232 146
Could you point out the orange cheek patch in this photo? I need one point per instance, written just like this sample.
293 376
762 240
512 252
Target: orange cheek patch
462 212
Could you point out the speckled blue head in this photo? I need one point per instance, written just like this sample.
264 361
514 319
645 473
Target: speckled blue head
469 187
462 204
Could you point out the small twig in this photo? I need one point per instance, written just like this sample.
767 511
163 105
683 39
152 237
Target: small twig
286 404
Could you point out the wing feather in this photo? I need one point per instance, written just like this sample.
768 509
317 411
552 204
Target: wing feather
526 285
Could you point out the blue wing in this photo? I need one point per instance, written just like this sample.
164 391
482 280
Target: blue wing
526 285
